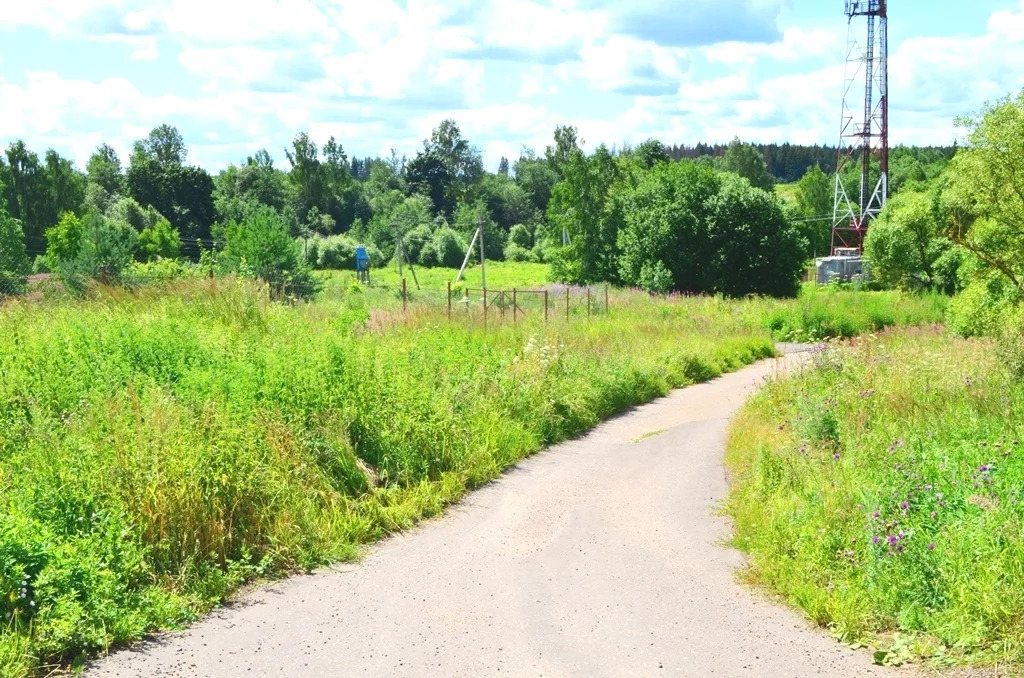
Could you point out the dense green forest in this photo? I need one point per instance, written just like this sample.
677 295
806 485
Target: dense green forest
787 163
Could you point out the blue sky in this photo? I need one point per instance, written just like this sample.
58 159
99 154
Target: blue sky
238 75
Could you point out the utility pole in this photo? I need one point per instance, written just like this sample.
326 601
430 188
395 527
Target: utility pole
479 235
398 250
483 269
469 251
400 253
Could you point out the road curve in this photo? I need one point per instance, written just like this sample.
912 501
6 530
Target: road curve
600 557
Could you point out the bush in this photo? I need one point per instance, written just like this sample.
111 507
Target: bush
14 262
415 240
515 252
520 235
446 248
159 241
337 253
1011 344
982 307
163 270
262 247
92 246
128 211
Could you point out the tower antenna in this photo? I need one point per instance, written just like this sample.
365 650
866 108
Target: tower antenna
863 139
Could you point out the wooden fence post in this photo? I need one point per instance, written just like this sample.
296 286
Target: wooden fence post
103 275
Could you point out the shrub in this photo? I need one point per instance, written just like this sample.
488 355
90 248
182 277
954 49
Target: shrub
163 270
14 262
89 247
520 235
336 252
515 252
129 211
446 248
1011 344
261 246
415 240
159 241
982 307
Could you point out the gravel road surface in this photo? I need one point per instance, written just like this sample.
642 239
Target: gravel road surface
600 557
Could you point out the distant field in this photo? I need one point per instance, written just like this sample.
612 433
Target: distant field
786 191
501 275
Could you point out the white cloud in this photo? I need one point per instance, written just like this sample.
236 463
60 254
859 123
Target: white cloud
252 73
632 66
54 15
797 44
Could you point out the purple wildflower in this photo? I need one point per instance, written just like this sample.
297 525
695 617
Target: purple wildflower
876 540
931 547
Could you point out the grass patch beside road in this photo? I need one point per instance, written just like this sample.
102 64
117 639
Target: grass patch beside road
882 491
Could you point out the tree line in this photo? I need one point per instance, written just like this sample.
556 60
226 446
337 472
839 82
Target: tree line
592 216
788 163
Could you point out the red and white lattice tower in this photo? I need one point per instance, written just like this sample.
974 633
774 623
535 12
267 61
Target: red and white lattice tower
864 134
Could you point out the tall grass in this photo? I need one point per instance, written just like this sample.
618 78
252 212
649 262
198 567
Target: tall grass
882 491
158 448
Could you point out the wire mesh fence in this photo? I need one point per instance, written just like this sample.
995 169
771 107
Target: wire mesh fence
456 302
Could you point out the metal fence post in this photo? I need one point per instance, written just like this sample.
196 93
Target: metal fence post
449 300
588 303
545 306
515 304
405 297
606 299
566 304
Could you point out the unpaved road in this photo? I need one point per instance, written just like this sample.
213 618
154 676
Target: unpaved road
599 557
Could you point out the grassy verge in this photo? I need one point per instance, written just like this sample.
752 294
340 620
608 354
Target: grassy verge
159 448
881 491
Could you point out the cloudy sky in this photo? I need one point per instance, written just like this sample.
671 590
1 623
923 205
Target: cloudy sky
238 75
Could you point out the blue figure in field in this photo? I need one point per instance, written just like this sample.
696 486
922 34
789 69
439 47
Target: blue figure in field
362 264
